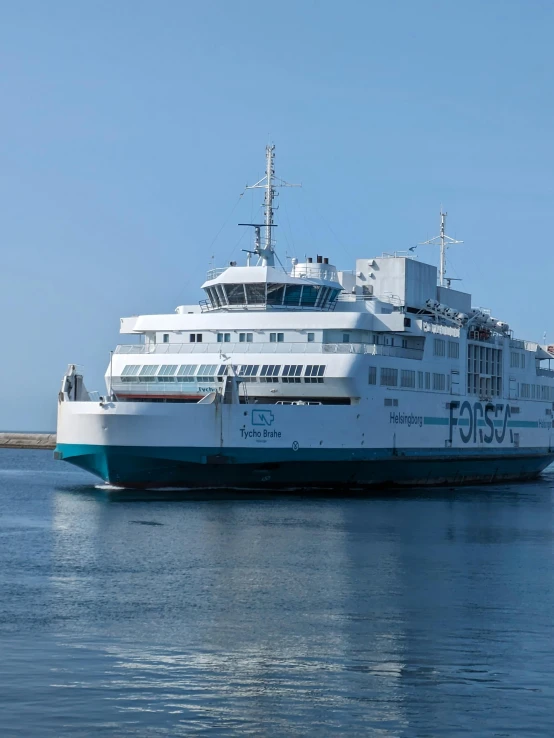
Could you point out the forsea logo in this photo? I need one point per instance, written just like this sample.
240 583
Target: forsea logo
262 417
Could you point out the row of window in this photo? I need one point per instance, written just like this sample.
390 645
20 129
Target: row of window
536 392
517 360
406 378
440 346
288 295
484 370
291 373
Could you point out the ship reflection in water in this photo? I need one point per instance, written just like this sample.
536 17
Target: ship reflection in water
411 614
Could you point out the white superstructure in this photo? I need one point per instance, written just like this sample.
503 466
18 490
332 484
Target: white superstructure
314 377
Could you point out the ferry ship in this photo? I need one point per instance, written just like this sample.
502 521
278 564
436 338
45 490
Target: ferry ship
309 377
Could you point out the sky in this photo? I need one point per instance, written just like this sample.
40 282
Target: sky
129 129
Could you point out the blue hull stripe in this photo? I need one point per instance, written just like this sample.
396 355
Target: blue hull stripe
152 467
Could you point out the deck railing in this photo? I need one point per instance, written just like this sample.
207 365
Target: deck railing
271 348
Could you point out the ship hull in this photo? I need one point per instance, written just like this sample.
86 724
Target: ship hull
157 445
207 468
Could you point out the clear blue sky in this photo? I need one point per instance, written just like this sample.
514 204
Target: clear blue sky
129 129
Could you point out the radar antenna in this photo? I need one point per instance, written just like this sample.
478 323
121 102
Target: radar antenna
268 182
445 241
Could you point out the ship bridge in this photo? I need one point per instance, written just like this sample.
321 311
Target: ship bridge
308 286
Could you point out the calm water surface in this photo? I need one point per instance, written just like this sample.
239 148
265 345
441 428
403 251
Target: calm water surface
424 614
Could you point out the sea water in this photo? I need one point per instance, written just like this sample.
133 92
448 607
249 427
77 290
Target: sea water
421 613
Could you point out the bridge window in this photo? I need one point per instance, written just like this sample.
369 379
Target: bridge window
147 372
186 372
223 337
165 338
291 373
270 373
206 373
276 337
311 337
372 376
195 338
246 337
235 294
310 293
255 293
275 294
130 372
167 373
292 294
314 373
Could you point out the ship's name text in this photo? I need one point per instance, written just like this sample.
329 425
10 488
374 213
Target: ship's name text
265 433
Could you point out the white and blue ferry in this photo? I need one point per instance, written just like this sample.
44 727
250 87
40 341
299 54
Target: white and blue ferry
311 377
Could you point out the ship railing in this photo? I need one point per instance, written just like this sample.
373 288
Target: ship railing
207 307
271 348
299 271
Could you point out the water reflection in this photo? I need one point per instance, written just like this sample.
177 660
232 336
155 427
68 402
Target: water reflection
403 614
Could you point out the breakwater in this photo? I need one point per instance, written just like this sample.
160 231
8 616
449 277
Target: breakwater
27 440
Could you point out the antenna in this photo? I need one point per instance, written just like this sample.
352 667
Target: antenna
445 241
269 182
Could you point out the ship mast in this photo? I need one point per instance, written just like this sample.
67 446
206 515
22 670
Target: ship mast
269 182
445 241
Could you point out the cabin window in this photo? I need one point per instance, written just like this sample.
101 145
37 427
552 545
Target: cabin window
439 382
427 380
223 337
270 373
407 378
130 372
167 373
389 377
311 337
453 350
248 372
276 337
372 375
195 338
165 338
291 373
206 373
246 337
439 346
420 380
404 343
346 337
314 373
148 372
186 372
